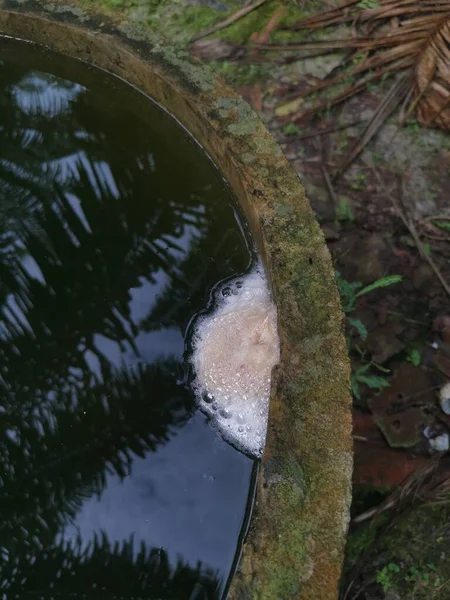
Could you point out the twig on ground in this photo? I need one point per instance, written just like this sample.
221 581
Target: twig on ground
409 224
310 134
420 487
441 586
438 238
242 12
272 23
368 514
328 183
389 103
323 153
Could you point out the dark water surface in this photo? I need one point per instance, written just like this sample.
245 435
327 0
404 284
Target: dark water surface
114 227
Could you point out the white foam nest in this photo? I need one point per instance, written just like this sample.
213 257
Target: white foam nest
234 351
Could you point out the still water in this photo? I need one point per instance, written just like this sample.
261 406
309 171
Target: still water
114 228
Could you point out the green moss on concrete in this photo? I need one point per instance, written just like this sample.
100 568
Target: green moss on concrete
241 31
240 74
242 121
283 210
193 73
180 22
283 469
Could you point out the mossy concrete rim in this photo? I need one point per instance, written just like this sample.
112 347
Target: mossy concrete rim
295 544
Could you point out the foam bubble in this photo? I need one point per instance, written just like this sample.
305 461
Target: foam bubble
234 351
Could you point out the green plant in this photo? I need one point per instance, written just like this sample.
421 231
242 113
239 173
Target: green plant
362 375
350 292
368 4
413 127
223 66
344 210
423 577
291 129
359 180
445 225
377 158
237 74
386 576
414 357
358 58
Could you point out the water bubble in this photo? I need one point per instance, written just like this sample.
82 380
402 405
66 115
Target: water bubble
230 366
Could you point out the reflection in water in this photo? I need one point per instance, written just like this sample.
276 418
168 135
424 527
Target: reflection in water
111 481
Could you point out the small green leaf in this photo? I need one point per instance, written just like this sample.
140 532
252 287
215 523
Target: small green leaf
344 210
368 4
360 370
394 568
443 225
414 357
347 292
381 368
355 388
427 249
291 129
380 283
374 381
359 326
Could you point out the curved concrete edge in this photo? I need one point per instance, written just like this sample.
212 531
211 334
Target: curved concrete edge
295 545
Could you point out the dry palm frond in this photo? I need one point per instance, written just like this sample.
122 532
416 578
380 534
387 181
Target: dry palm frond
429 484
395 36
433 79
386 107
